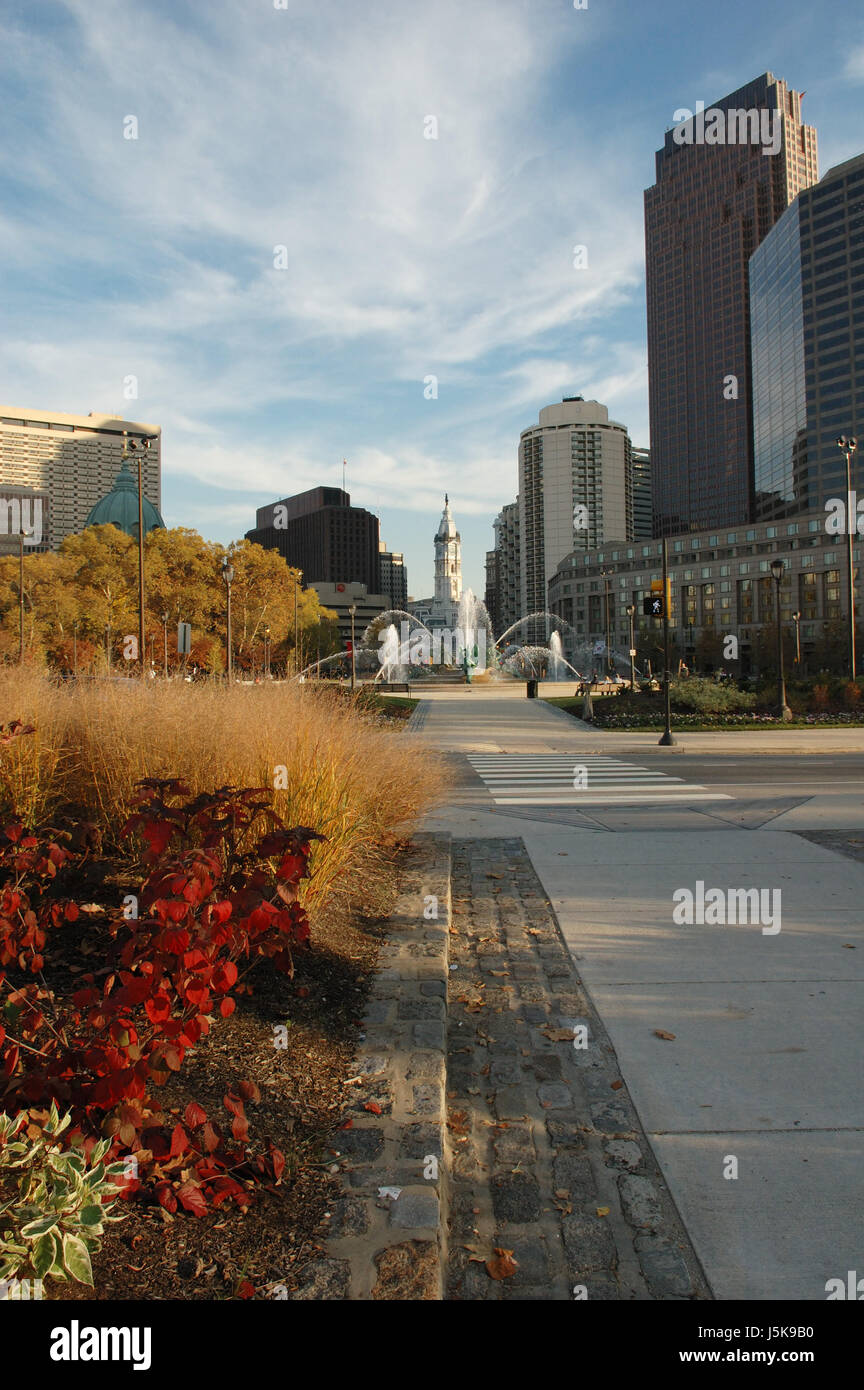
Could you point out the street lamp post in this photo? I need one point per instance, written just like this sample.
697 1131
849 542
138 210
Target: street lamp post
296 631
228 576
267 652
848 447
353 610
137 450
605 573
21 535
783 710
165 647
667 739
796 618
631 612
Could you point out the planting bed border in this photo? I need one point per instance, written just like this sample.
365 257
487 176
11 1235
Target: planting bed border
387 1229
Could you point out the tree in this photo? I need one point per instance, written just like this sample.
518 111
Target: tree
90 586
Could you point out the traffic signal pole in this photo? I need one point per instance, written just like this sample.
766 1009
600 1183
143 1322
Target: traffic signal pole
667 740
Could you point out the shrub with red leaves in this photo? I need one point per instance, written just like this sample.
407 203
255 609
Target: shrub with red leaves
222 892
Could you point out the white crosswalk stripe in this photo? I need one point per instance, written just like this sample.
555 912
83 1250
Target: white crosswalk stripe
559 779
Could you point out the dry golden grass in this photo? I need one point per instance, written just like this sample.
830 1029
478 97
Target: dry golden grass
356 780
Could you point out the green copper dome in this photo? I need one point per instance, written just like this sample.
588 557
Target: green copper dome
120 507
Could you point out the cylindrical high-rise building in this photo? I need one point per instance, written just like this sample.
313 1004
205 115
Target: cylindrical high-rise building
575 490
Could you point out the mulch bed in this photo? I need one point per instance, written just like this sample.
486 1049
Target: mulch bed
228 1253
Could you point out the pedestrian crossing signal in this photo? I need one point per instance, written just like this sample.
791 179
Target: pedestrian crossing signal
652 606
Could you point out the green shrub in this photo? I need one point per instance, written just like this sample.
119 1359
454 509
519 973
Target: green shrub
52 1201
708 697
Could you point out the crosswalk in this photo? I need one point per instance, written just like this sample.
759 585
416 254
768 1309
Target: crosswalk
558 779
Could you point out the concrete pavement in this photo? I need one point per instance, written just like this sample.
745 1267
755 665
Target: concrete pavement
763 1068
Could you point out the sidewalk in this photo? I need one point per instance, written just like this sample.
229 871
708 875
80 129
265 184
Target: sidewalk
488 712
549 1166
762 1068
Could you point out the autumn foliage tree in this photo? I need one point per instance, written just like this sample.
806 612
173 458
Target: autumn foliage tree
84 596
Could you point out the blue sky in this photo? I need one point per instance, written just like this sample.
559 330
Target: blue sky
303 127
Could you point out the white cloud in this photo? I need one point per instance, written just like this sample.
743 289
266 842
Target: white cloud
854 68
304 128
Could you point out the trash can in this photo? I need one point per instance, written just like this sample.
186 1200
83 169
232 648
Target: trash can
532 690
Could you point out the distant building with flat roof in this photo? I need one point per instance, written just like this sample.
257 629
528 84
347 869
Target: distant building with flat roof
321 534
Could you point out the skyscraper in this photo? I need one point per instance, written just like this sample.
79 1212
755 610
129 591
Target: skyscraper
807 338
503 570
575 490
643 517
724 177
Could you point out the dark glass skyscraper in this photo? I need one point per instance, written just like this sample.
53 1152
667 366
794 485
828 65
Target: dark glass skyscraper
807 341
720 189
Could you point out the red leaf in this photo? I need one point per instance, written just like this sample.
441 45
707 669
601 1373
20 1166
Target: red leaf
158 1008
224 976
71 912
278 1159
246 1290
10 1061
179 1141
192 1198
226 1007
373 1107
240 1128
197 993
166 1197
194 1115
209 1138
249 1091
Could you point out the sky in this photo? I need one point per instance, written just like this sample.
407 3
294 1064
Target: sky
283 259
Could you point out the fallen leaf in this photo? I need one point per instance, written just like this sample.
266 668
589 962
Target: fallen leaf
847 946
458 1122
602 1211
659 1033
373 1107
616 1085
502 1265
558 1034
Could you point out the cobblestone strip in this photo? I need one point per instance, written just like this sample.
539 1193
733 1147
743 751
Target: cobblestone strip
386 1231
417 718
549 1163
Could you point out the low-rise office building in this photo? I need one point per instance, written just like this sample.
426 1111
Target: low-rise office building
721 585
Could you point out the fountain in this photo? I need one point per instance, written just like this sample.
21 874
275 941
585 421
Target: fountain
556 668
391 655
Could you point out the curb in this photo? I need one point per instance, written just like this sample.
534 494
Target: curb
387 1230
